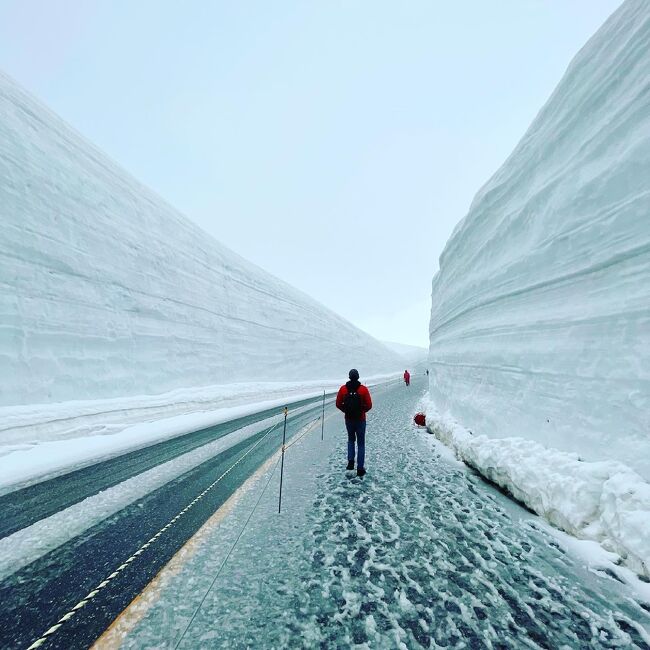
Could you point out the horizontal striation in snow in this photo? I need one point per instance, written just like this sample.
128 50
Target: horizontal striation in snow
107 291
540 322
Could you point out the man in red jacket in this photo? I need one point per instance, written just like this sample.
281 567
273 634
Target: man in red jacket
354 400
407 377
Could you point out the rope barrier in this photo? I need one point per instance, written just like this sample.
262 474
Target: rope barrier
310 427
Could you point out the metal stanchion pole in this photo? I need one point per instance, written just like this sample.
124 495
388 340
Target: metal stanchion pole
322 420
284 437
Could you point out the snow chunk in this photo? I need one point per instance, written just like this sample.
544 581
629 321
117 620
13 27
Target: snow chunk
603 501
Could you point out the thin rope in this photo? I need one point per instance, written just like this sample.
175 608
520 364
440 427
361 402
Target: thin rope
232 548
310 427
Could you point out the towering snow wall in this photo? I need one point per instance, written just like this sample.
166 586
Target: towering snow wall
540 322
107 291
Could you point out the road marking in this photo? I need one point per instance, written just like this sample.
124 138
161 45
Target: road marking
68 615
114 635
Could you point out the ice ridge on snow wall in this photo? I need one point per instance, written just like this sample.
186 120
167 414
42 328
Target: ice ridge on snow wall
107 291
540 321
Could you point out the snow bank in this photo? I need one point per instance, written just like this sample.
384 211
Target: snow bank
602 501
540 322
106 291
26 425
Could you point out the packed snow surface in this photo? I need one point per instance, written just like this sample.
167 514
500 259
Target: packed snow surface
540 322
108 292
432 557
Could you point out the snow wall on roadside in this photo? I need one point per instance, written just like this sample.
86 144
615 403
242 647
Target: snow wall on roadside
107 291
540 322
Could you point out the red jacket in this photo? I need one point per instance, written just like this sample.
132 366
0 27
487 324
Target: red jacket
364 393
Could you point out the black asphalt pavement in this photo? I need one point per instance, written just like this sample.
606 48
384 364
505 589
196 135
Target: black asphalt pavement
22 508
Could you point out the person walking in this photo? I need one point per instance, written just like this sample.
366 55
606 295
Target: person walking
407 377
354 400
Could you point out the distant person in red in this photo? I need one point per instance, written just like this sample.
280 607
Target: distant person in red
407 377
354 400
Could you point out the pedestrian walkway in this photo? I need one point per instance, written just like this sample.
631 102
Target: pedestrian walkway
418 553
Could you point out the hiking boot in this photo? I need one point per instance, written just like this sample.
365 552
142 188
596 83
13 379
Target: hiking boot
361 471
350 464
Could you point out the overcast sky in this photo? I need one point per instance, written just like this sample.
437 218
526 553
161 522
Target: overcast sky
335 144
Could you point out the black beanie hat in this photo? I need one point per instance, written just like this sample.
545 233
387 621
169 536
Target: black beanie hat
353 374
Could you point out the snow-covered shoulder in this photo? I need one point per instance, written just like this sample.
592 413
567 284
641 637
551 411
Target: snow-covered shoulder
43 441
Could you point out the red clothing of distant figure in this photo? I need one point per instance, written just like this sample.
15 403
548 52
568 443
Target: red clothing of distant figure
407 377
364 393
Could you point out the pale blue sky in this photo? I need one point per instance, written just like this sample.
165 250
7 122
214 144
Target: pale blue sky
334 144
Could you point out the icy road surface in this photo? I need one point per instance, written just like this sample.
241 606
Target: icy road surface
419 553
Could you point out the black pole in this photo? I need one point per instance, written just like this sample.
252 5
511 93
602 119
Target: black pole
284 436
322 421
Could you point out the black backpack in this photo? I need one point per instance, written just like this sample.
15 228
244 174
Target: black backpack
353 405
